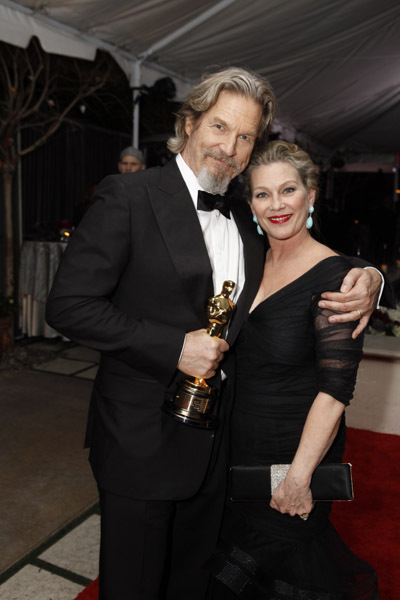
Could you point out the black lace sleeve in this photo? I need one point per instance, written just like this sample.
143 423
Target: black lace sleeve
337 354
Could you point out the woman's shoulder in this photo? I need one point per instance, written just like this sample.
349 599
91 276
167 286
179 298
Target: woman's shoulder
322 252
327 265
331 271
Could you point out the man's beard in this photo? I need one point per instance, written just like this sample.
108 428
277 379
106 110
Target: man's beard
217 182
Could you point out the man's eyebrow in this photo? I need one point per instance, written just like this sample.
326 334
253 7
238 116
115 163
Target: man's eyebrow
219 120
223 122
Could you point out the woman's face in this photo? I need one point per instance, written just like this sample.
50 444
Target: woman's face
280 201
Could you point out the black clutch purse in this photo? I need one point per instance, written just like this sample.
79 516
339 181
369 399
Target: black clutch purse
330 481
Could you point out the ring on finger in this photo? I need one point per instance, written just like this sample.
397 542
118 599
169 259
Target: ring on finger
304 516
359 312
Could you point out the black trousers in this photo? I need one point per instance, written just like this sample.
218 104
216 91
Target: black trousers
154 550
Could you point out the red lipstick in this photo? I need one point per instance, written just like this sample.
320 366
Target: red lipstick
279 219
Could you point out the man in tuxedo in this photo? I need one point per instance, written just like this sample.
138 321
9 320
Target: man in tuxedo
134 284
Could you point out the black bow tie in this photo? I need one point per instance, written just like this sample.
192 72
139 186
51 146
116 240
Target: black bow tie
209 202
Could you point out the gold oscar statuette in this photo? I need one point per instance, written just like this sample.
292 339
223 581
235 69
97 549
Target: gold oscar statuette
195 399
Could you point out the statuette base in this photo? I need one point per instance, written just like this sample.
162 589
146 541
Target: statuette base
192 405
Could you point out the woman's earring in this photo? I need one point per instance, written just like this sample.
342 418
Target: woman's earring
310 222
259 230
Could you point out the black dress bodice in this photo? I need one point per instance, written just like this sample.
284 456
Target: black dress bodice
287 352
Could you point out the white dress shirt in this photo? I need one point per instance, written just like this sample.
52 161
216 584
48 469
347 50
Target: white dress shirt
221 236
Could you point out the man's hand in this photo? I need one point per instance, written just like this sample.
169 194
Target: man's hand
357 298
201 354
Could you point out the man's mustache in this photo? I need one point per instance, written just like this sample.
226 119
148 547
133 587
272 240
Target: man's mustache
223 157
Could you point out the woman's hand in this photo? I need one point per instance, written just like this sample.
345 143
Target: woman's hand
292 497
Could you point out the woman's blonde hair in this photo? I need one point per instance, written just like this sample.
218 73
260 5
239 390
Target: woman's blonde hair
281 151
205 94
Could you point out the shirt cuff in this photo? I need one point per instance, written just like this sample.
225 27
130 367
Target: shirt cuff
382 284
183 345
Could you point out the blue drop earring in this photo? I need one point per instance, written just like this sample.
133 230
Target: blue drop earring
310 222
259 230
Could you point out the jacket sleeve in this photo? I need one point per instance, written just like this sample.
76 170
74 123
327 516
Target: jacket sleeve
80 302
388 297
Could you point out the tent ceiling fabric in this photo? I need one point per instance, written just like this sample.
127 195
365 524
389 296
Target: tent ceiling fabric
334 64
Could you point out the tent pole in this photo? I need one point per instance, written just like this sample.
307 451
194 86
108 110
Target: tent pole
135 85
187 27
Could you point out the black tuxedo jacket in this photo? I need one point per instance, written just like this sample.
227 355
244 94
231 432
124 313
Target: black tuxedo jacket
134 279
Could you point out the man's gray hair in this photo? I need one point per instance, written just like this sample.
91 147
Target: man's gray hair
205 94
131 151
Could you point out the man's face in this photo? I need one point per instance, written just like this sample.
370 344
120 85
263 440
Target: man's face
130 164
220 144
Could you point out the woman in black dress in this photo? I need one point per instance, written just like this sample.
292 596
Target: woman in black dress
296 372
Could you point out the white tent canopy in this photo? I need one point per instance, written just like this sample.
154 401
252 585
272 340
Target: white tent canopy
334 64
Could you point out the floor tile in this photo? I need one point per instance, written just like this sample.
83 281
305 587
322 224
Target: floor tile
89 373
78 551
49 344
46 480
32 583
82 353
63 366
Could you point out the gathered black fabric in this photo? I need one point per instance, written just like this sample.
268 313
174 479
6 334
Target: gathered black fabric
287 352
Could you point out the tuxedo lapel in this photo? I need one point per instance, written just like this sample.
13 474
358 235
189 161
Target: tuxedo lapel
181 230
254 256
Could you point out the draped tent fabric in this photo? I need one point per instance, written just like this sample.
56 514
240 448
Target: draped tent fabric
334 64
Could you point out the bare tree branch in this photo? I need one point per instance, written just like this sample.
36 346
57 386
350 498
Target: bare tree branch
33 78
38 91
87 90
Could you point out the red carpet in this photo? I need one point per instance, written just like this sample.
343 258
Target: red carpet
370 524
90 593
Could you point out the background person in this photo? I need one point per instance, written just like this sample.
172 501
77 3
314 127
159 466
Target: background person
131 160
